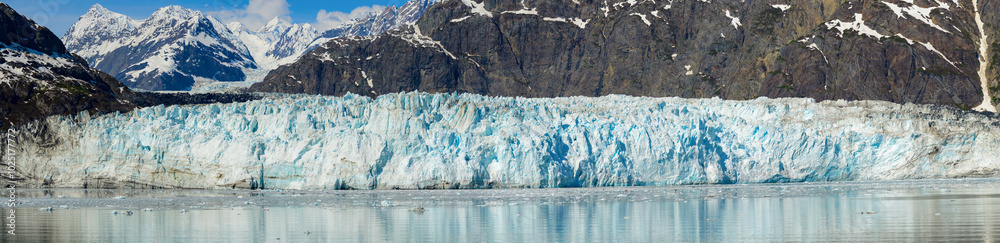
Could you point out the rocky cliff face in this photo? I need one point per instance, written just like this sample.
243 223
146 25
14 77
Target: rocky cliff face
38 77
900 51
896 51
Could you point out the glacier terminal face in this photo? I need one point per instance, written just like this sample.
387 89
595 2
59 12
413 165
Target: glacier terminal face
425 141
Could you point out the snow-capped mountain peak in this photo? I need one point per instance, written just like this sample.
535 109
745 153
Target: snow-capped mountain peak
99 25
166 51
276 24
277 42
389 18
175 12
236 27
98 10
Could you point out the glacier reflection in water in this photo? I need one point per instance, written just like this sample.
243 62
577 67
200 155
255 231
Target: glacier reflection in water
419 140
898 211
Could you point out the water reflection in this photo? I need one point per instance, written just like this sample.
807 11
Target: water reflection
953 211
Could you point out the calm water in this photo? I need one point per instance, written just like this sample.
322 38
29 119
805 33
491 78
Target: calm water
936 210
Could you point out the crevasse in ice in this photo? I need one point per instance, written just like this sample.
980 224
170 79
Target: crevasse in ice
419 140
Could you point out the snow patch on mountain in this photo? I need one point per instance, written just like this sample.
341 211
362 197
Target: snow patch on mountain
920 13
643 17
477 8
735 21
857 25
525 11
413 36
20 63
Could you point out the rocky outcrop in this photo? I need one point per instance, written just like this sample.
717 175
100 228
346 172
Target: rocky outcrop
924 52
21 31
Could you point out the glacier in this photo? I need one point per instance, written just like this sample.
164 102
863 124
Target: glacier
445 141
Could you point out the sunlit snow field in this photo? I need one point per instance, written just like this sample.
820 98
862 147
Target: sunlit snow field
892 211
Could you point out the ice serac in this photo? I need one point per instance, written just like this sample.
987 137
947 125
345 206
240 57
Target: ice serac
419 140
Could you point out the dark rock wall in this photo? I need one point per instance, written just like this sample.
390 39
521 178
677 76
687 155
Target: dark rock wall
859 66
690 49
16 29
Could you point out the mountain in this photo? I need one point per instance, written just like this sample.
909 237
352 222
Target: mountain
277 43
181 49
280 42
447 141
900 51
39 77
390 18
171 50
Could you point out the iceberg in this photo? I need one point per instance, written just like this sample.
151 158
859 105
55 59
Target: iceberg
446 141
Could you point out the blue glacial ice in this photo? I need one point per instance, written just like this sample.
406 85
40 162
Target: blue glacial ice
419 140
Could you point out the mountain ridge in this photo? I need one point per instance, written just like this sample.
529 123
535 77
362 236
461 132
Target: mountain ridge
856 50
110 41
162 52
391 17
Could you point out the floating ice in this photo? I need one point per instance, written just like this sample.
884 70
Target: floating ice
418 140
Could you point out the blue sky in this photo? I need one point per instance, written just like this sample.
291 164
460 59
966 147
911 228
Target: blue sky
59 15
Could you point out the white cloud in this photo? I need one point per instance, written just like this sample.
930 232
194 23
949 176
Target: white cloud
256 14
328 20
